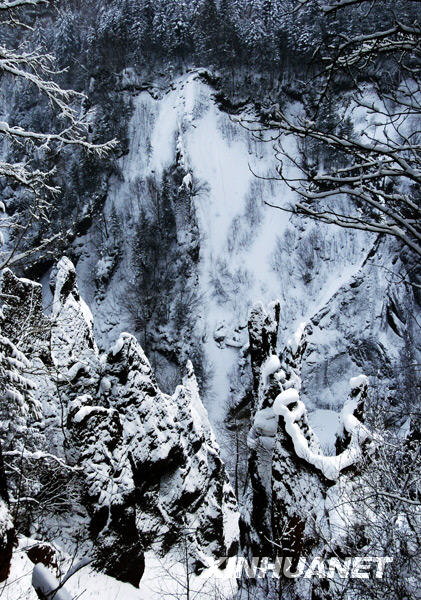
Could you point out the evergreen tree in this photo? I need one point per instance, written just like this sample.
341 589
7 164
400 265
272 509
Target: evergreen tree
67 42
229 43
206 31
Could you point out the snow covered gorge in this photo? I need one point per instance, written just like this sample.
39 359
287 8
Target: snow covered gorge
104 464
136 469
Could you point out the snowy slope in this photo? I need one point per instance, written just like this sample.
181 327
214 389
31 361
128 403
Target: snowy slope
364 326
245 254
163 579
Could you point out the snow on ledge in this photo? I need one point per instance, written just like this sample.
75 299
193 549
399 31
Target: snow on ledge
285 398
358 382
270 366
330 466
86 411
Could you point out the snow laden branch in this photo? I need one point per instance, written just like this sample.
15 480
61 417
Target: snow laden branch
34 68
377 165
38 456
15 386
331 7
67 137
374 178
20 3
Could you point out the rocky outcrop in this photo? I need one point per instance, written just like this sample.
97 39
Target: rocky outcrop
255 522
146 468
152 464
296 502
297 488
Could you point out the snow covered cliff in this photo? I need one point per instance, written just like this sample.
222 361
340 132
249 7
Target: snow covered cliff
140 468
237 249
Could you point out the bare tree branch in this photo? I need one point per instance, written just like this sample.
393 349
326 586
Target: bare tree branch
378 168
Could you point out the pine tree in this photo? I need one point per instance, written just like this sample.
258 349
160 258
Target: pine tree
206 31
229 46
67 42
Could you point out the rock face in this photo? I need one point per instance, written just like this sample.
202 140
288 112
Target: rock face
366 325
146 468
294 500
263 330
278 476
297 488
152 462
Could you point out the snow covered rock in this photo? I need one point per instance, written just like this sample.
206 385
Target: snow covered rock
256 520
365 326
177 446
153 470
272 461
263 332
142 468
297 488
312 493
287 500
72 335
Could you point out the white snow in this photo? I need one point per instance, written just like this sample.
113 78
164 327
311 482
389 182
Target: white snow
358 382
330 466
265 422
238 232
86 411
118 345
97 586
187 181
18 585
325 423
270 366
295 340
45 583
75 369
285 398
105 384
